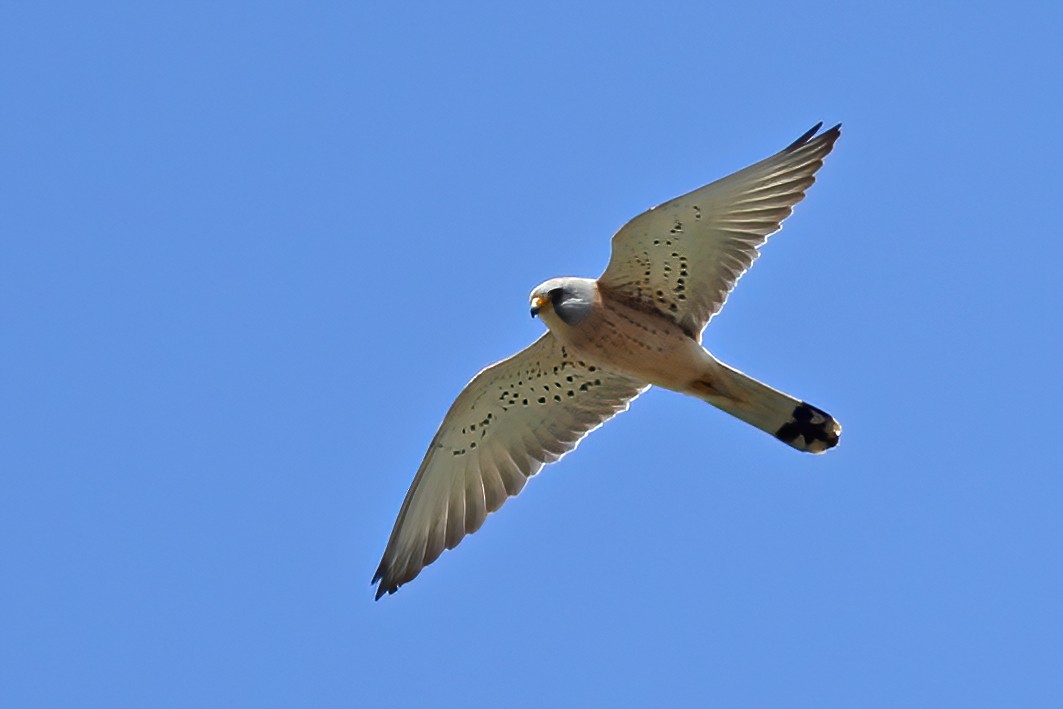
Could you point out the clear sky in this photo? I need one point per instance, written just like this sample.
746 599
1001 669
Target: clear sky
252 251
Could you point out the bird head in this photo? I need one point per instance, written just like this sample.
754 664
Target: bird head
571 299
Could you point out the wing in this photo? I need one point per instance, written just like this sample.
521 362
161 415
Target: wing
510 420
683 257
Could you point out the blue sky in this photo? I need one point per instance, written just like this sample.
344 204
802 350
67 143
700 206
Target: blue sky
251 252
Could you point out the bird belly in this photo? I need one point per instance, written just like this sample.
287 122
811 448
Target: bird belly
642 346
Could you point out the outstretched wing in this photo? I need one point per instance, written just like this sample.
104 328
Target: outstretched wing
510 420
683 257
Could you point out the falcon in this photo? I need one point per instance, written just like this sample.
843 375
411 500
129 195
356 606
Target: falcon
608 340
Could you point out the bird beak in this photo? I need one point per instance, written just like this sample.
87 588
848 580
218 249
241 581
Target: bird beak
536 304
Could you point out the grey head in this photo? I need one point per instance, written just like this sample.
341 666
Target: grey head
571 298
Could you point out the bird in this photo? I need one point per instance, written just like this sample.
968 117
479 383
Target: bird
609 339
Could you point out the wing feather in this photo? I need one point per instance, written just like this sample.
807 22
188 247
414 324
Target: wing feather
509 421
684 257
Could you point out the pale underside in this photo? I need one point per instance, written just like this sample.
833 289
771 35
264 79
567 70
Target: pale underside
679 260
683 258
509 421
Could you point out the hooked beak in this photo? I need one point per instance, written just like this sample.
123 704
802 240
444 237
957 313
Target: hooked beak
536 304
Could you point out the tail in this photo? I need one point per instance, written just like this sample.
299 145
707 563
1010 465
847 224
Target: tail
793 422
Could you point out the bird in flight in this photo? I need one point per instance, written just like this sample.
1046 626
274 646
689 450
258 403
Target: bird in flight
608 340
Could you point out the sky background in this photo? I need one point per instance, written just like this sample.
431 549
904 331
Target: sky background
252 251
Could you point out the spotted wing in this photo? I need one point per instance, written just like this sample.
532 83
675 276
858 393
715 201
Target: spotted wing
683 257
510 420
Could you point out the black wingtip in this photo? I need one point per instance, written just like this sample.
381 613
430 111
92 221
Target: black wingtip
811 133
806 137
387 586
378 576
383 589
